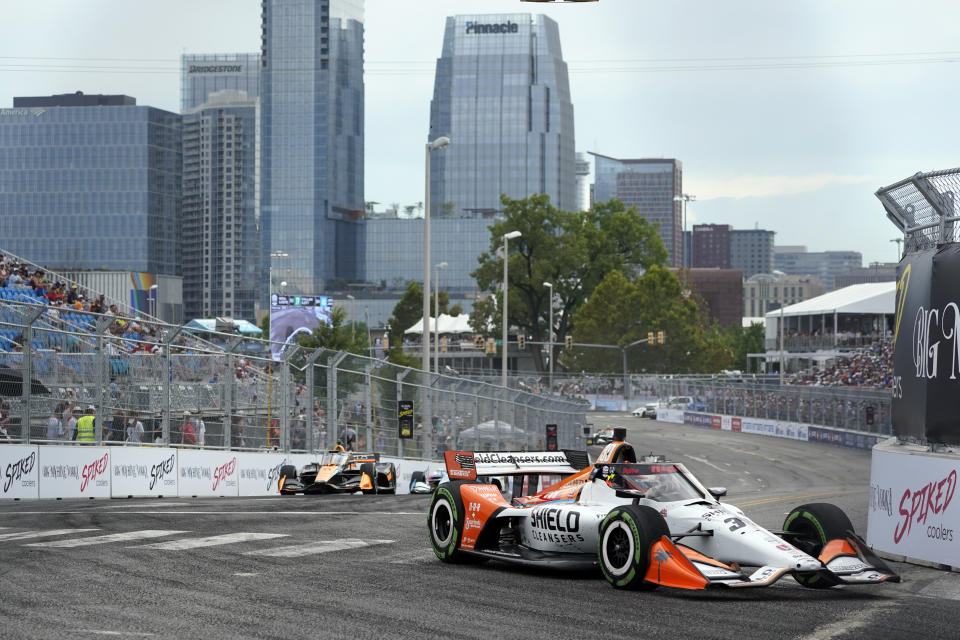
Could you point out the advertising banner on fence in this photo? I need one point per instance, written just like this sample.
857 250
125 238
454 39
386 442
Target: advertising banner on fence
143 471
914 511
207 473
18 463
670 415
74 472
259 472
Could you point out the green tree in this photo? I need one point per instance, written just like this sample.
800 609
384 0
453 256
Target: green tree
621 311
741 341
406 313
339 335
573 251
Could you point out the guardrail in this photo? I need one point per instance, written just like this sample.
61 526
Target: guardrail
229 393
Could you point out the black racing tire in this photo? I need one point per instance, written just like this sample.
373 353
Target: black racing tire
418 476
445 524
812 526
391 488
371 470
623 545
288 470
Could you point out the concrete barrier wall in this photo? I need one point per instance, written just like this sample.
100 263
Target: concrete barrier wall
51 471
776 428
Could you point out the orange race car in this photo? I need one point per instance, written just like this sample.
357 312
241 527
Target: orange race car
645 524
340 472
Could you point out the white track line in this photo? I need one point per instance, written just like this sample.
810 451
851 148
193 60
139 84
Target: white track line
26 535
210 541
313 548
311 514
113 537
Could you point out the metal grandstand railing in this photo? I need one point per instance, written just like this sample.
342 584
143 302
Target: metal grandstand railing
923 207
130 370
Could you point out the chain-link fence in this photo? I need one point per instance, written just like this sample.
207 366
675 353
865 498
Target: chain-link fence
864 410
923 207
146 382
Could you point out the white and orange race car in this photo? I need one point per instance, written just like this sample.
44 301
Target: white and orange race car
646 524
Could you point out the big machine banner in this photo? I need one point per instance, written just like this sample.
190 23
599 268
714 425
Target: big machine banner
20 471
145 471
208 473
914 509
926 361
75 472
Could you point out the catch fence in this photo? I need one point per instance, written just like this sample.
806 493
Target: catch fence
230 394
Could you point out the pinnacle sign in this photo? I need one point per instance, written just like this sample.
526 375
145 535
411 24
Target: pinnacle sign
503 27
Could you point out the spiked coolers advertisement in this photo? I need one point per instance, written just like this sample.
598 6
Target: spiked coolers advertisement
20 469
926 361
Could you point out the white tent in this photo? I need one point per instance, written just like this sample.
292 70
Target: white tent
868 299
876 298
447 325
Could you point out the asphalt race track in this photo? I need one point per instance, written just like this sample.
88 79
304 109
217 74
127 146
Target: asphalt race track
362 567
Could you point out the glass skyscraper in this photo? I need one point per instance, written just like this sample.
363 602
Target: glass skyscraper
91 182
221 240
312 94
203 74
502 96
650 185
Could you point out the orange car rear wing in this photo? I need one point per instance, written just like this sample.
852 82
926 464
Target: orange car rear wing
467 465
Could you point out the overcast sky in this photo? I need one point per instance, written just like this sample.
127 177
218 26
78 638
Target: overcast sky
786 115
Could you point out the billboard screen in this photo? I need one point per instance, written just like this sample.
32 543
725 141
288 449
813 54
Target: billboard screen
291 316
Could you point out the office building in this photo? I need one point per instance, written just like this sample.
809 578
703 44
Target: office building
221 240
204 74
876 272
720 289
312 96
826 265
711 246
751 251
502 96
763 292
457 241
651 185
584 183
91 182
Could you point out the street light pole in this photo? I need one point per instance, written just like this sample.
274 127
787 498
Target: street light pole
436 145
506 237
549 286
353 309
685 198
436 314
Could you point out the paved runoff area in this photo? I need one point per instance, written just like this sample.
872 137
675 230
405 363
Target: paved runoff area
361 566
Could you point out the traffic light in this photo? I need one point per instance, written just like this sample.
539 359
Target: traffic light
568 342
478 342
521 341
443 345
660 337
491 345
651 339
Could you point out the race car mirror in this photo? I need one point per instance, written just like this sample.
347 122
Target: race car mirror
405 418
717 492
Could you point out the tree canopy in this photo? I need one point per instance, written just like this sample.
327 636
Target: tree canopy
573 251
622 311
406 313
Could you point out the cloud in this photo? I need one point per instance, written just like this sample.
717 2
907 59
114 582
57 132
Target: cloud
752 186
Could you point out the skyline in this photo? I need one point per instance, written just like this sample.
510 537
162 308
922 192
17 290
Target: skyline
789 117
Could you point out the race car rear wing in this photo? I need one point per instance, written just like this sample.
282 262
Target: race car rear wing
467 465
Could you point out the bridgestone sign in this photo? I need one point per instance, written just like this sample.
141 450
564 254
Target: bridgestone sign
215 68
